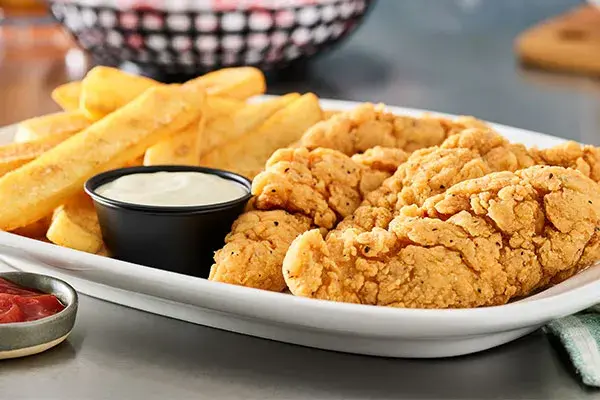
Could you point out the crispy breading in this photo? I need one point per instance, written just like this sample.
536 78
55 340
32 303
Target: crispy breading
256 241
471 154
323 184
381 158
297 190
483 242
367 126
572 155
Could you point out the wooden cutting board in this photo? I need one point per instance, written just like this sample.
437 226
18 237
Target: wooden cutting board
569 42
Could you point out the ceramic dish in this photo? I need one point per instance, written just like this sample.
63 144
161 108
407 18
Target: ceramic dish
22 339
343 327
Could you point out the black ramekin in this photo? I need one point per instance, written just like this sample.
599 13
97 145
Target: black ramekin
181 239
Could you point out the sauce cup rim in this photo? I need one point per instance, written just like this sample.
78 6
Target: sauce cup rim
42 321
100 179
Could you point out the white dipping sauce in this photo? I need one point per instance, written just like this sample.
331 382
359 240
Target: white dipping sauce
172 189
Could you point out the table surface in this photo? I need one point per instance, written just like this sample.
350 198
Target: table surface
451 56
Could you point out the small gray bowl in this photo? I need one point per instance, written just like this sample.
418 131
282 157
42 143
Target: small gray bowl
22 339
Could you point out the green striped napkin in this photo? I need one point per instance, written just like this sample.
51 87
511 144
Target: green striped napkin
580 334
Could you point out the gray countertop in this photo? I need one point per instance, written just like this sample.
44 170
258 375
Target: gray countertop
451 56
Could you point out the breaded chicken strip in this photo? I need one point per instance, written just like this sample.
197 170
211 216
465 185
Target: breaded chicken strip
571 155
367 126
470 154
483 242
323 184
298 189
256 239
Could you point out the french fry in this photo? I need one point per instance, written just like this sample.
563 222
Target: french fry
106 89
67 122
236 83
229 127
219 107
14 155
75 225
68 95
37 188
181 149
247 155
136 162
35 230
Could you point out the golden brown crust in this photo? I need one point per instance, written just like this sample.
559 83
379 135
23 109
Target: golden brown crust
258 239
369 125
322 184
482 242
470 154
297 190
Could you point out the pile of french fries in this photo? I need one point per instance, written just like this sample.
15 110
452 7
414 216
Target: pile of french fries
112 119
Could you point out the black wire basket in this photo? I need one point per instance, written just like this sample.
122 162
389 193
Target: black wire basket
188 37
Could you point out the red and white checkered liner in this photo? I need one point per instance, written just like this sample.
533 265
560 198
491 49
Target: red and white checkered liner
192 36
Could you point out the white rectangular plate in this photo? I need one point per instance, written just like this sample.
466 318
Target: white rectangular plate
353 328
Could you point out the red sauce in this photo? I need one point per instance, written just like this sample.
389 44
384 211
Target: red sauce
19 304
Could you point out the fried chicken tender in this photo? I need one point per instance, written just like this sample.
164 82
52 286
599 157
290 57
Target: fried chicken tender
323 184
298 189
369 125
571 155
470 154
483 242
256 239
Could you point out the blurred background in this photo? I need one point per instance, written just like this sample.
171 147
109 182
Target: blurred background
455 56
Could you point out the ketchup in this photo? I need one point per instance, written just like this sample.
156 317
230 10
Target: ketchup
19 304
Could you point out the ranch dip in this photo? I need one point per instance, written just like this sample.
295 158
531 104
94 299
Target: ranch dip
169 189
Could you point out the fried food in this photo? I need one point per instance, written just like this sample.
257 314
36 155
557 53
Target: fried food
467 155
181 149
381 158
61 123
106 89
341 209
75 225
298 189
255 248
235 83
323 184
35 230
229 127
37 188
248 155
367 126
483 242
571 155
68 95
14 155
220 107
